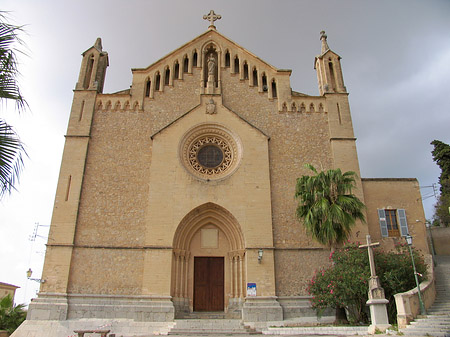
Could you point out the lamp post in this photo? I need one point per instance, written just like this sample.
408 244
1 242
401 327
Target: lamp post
422 307
260 255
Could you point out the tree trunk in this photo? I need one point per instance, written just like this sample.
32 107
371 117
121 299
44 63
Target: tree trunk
341 317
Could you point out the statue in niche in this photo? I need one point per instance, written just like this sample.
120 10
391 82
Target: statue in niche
211 66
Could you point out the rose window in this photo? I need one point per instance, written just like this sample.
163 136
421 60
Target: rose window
210 152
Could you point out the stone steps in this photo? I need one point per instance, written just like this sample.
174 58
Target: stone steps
437 322
321 331
209 315
429 331
210 326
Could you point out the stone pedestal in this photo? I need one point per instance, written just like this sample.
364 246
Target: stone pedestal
378 313
377 303
261 309
48 307
210 85
60 307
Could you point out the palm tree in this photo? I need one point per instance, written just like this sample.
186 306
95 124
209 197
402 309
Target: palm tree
328 209
11 316
327 206
11 148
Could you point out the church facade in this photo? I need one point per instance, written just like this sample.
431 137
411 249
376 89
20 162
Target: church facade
177 195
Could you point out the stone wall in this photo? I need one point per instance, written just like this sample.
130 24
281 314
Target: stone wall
395 193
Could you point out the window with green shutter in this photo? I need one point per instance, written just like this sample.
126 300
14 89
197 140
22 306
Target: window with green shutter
393 222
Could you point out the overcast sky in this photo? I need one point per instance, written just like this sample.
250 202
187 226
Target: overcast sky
395 60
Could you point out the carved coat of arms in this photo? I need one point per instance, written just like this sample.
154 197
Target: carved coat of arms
210 107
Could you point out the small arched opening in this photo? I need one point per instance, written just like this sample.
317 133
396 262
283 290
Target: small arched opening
227 59
88 75
245 71
157 81
236 65
255 77
148 85
194 59
274 89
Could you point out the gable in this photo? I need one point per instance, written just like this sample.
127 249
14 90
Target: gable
206 102
186 67
198 44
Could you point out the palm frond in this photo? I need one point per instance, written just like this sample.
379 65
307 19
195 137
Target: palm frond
327 206
9 87
11 158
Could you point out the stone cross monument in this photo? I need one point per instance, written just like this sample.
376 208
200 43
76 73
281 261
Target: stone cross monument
377 301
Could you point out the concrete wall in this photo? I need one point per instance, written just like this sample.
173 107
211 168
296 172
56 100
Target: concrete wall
441 239
7 289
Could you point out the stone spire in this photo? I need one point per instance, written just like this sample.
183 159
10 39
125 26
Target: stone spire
329 72
323 38
211 17
98 44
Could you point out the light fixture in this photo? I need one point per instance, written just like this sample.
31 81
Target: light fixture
409 240
260 255
29 273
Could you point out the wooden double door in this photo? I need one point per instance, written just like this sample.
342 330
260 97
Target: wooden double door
209 284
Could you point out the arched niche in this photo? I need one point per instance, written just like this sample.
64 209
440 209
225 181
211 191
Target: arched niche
211 51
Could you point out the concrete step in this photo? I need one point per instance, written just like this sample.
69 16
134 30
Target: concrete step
438 311
209 315
444 328
210 326
440 318
437 322
431 321
433 316
421 334
319 331
211 332
437 327
441 306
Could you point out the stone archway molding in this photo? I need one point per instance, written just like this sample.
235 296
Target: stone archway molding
201 216
182 262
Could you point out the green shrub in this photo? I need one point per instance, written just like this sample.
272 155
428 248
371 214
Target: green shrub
11 316
345 283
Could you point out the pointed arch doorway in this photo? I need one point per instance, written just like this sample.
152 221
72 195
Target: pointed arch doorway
208 263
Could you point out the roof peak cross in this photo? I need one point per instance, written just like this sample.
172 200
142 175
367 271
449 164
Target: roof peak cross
211 17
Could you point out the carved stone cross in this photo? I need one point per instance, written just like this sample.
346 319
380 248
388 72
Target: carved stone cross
211 17
370 251
377 301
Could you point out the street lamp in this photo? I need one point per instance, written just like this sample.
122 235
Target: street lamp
422 307
29 273
260 255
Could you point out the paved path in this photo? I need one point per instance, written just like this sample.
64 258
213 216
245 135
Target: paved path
437 321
